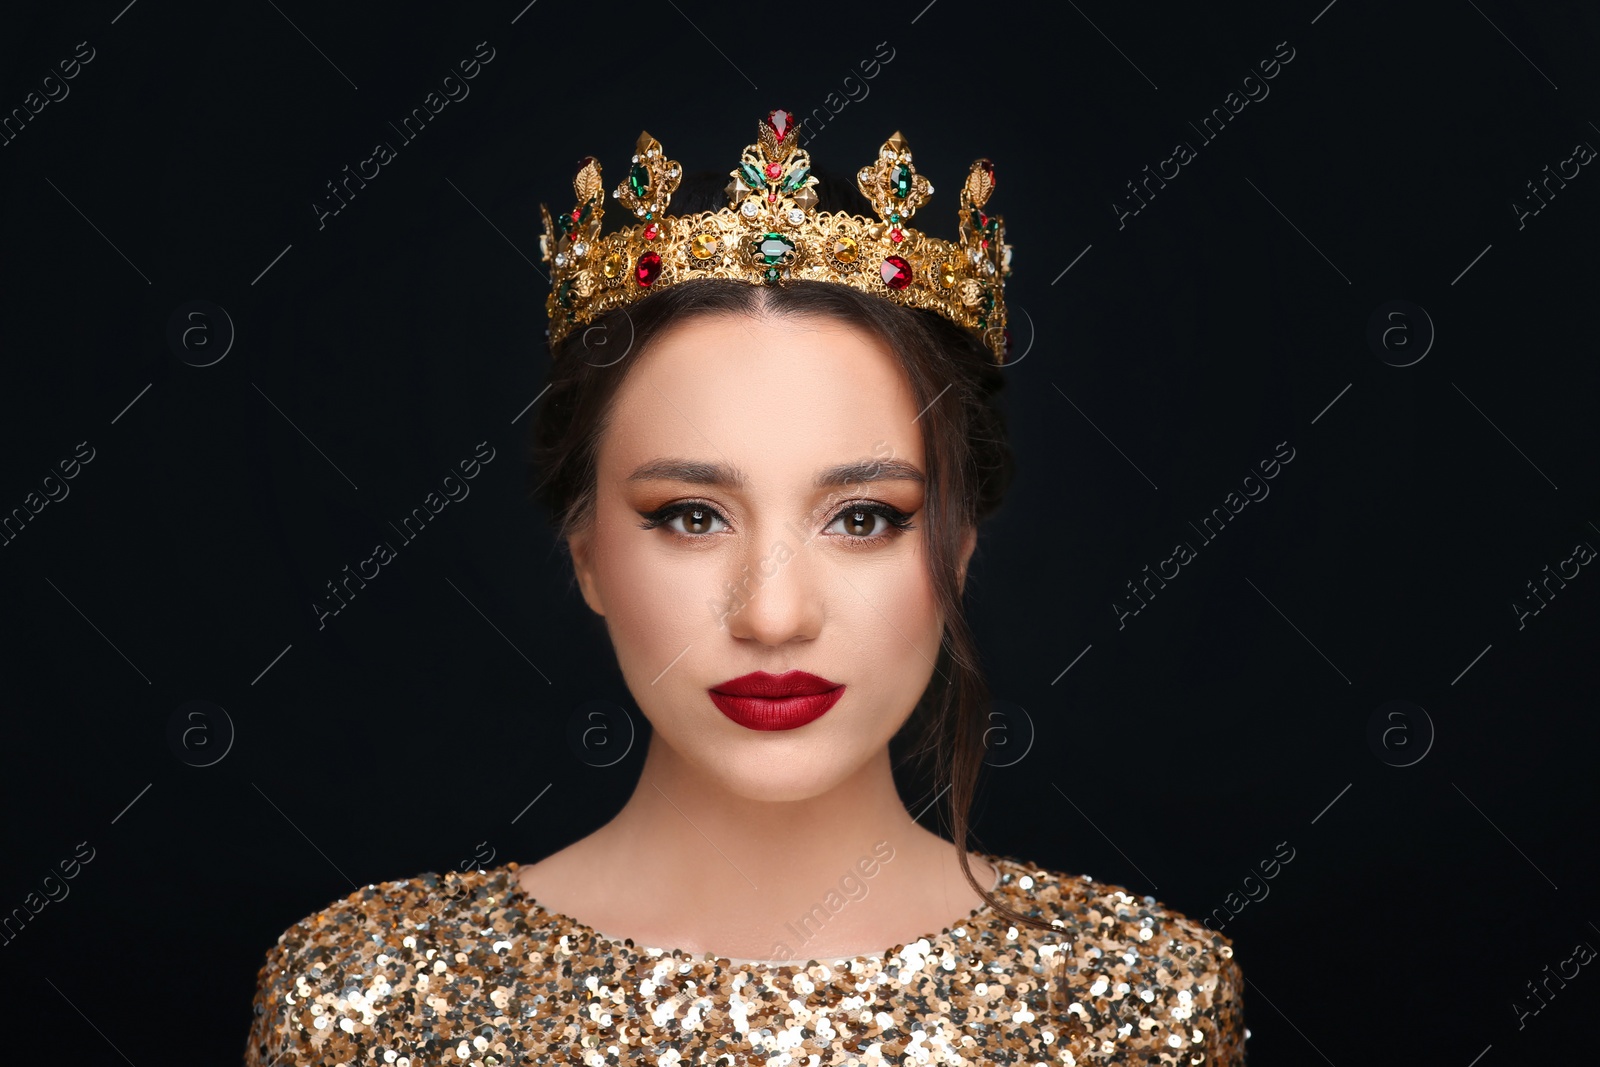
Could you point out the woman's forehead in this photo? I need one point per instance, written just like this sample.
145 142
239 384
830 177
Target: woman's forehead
765 393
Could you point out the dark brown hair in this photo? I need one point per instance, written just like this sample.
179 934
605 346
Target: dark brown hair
968 461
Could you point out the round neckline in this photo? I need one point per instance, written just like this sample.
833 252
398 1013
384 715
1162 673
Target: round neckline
1002 870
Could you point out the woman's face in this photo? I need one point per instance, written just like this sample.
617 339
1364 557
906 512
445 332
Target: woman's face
777 463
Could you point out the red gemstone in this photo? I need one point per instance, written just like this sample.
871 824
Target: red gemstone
649 266
650 232
896 272
774 169
577 216
896 236
780 122
772 196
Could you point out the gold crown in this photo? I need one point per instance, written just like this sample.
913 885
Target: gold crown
771 231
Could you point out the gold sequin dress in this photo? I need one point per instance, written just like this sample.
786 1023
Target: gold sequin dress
465 969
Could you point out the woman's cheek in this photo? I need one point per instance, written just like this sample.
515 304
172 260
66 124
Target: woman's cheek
907 593
655 595
885 612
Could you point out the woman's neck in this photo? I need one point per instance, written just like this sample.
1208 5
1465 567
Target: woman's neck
688 865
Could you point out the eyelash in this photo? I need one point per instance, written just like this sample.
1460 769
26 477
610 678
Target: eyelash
898 520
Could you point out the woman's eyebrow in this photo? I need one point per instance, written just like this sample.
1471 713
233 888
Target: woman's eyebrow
698 473
685 470
871 470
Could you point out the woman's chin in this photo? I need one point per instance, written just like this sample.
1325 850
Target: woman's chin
758 766
777 785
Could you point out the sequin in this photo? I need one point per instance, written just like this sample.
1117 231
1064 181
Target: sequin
463 968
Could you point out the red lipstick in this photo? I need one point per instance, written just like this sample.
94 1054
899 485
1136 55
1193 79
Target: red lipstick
762 701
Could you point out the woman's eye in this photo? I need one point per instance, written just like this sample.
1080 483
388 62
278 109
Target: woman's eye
860 522
694 521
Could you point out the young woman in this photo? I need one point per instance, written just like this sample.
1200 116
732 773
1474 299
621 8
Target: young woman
769 459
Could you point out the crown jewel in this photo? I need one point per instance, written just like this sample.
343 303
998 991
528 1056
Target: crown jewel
771 231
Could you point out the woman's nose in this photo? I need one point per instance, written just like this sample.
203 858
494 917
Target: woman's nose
775 596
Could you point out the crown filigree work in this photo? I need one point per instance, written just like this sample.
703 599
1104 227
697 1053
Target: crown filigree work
771 231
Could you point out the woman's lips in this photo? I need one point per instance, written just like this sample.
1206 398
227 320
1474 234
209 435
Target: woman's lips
762 701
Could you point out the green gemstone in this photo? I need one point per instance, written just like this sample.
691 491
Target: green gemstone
564 294
639 180
753 176
795 179
773 247
900 176
773 274
894 216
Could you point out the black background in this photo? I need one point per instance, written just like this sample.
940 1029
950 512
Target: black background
1182 346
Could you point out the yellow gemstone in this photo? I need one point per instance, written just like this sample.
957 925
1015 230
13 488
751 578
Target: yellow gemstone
612 267
947 274
844 249
704 245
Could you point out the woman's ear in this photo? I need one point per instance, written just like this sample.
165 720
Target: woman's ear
969 541
579 546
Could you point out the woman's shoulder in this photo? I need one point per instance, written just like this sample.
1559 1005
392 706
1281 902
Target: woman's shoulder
349 923
1128 968
326 979
1086 903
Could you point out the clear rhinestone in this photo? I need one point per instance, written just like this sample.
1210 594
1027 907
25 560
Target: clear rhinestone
673 172
561 259
650 152
748 209
635 159
974 255
579 249
796 216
